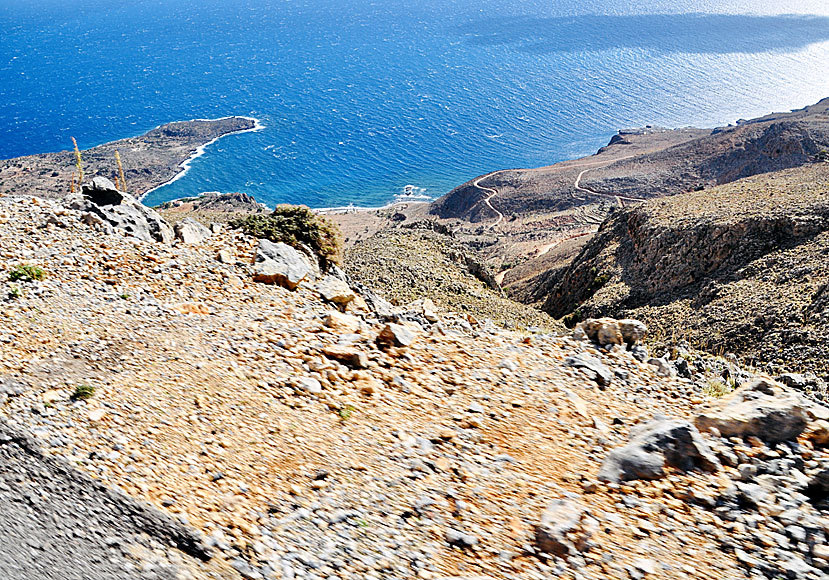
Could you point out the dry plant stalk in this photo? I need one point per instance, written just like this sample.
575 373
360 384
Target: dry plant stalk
121 171
78 161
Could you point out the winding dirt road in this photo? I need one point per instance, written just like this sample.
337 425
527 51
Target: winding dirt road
578 187
492 192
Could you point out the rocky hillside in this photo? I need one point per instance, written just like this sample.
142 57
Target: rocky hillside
649 163
303 433
742 268
211 207
407 264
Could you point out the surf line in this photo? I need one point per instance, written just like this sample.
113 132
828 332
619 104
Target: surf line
184 166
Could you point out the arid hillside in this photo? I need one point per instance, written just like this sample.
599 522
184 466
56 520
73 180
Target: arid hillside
741 268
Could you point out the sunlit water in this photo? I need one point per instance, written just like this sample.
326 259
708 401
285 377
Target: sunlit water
360 98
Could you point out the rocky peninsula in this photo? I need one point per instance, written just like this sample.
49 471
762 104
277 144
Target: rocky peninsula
149 160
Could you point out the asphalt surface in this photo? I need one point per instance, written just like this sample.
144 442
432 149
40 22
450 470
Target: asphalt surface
57 523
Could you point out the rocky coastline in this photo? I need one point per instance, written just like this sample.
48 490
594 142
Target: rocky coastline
150 160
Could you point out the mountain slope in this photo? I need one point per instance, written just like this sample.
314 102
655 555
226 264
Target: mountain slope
742 267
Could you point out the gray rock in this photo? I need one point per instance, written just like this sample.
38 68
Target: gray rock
101 191
560 522
461 539
592 366
640 353
793 380
335 290
190 231
101 200
761 408
818 488
631 462
309 385
662 367
653 446
683 369
280 264
395 335
60 523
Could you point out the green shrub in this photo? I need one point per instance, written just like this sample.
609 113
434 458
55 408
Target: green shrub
572 319
27 273
599 281
83 392
345 412
295 225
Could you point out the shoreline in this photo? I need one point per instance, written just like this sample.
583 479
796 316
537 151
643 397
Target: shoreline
200 150
359 209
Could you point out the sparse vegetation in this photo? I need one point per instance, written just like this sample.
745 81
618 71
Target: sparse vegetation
346 412
123 180
78 165
27 273
719 387
296 225
573 318
83 392
15 293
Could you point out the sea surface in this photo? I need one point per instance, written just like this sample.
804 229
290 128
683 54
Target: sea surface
360 98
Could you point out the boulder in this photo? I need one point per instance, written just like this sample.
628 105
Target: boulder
609 331
348 354
793 380
818 489
394 335
309 385
602 331
560 531
662 367
761 408
342 323
335 290
102 204
592 367
225 256
280 264
190 231
654 445
633 331
423 307
101 191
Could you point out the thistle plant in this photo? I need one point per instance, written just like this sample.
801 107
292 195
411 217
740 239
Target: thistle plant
78 164
121 172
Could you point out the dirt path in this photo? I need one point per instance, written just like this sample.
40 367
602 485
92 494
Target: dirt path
492 193
578 187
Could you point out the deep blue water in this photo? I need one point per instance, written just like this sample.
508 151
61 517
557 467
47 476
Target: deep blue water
360 98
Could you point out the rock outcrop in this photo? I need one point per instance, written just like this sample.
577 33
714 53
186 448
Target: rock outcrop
740 268
100 202
761 409
189 231
655 445
280 264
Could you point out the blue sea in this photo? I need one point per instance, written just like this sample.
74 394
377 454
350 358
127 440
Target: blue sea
360 98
